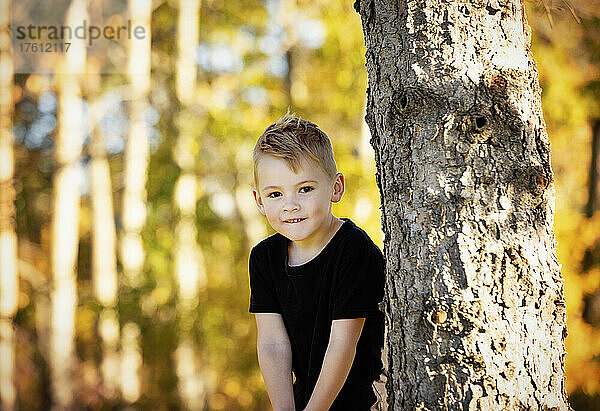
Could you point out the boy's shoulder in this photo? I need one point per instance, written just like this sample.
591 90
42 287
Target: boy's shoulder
270 241
273 243
355 238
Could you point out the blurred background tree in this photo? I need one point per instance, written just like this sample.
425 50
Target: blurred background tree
177 324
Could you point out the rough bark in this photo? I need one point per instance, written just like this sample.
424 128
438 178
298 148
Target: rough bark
474 296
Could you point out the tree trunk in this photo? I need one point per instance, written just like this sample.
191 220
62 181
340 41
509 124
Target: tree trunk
137 151
592 204
104 244
189 263
65 223
134 202
9 280
474 296
190 271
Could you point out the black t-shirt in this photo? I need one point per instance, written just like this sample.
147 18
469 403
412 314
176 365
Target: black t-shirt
345 280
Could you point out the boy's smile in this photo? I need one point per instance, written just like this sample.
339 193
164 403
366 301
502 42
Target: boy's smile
294 220
298 205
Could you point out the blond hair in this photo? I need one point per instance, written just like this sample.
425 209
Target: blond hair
293 140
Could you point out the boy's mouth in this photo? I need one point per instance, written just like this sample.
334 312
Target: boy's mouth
294 220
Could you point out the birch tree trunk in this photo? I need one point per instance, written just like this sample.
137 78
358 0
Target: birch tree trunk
137 150
9 280
65 223
134 202
190 271
104 245
474 296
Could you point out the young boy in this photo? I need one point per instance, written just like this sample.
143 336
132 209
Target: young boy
316 283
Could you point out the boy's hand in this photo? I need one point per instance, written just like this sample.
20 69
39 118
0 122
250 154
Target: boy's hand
275 360
337 363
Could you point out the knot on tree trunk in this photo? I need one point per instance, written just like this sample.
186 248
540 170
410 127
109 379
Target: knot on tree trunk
533 179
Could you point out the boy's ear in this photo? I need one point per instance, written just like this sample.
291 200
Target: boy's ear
258 199
338 188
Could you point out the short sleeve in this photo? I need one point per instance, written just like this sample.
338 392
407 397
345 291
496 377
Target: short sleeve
358 288
262 291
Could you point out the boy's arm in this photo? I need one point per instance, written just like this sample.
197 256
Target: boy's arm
337 362
275 360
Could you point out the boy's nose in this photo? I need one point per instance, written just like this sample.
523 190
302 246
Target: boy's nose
291 205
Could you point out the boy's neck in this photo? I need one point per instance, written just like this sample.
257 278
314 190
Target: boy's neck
299 253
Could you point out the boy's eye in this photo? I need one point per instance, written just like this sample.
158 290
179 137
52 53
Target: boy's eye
306 189
274 194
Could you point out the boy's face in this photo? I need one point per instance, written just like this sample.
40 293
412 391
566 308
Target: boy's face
297 205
